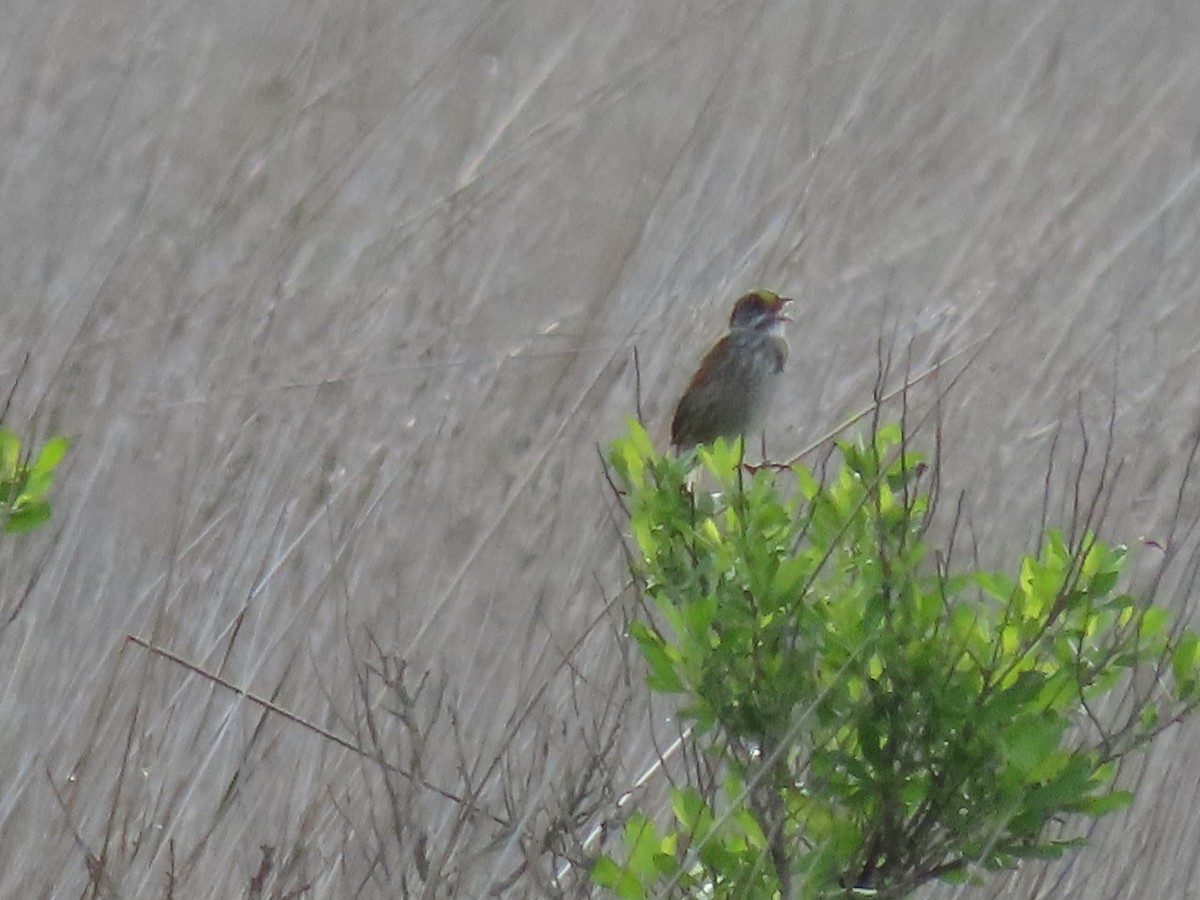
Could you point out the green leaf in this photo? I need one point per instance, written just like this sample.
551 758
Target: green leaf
660 658
607 874
1050 766
1051 849
688 808
1039 583
50 455
751 833
996 584
789 575
642 842
28 517
639 439
1187 654
1102 583
888 435
37 486
1148 718
1026 741
964 618
722 458
957 875
1065 791
808 486
10 454
1154 619
696 616
1102 804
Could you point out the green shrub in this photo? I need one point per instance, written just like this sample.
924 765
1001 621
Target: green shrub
878 720
24 483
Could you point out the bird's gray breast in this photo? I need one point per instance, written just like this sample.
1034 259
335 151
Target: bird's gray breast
779 349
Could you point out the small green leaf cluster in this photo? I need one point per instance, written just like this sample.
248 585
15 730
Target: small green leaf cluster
880 721
24 483
722 844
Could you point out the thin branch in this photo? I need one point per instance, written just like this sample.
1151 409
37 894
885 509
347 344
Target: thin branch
302 722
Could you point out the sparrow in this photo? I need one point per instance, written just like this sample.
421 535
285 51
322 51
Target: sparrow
731 391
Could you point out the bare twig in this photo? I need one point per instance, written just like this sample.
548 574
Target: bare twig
273 707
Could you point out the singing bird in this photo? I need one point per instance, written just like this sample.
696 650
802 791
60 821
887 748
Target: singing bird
731 391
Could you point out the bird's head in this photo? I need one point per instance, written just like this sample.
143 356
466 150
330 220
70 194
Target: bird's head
759 311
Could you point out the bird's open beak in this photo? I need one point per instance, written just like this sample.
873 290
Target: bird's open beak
779 313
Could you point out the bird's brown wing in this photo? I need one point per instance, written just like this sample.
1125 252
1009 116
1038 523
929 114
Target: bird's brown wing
688 425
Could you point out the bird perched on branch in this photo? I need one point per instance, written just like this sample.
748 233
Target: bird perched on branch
731 391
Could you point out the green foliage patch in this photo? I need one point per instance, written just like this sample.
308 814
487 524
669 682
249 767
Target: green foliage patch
25 482
879 719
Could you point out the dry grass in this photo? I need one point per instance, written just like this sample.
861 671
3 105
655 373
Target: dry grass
336 301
